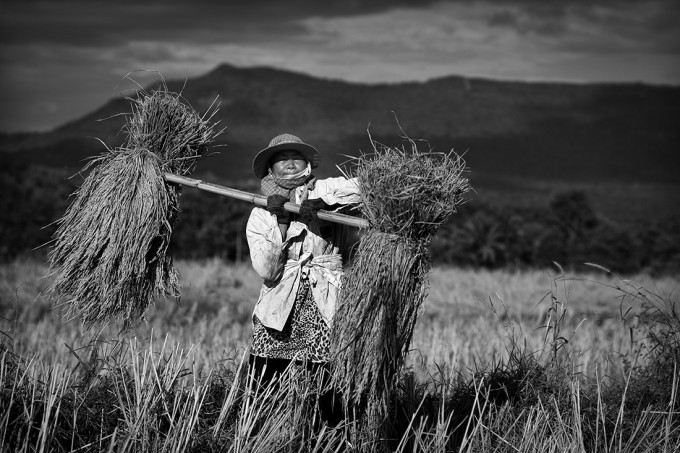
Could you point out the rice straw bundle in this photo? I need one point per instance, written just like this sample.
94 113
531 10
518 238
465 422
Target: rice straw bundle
406 196
165 126
110 257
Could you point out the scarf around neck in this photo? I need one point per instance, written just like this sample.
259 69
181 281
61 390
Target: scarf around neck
271 185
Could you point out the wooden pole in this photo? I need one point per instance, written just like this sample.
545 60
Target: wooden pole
261 200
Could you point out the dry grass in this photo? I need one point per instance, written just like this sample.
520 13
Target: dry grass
455 327
172 385
110 257
406 196
164 125
408 192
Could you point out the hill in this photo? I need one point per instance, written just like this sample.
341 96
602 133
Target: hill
523 141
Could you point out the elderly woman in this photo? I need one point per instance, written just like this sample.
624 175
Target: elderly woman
299 259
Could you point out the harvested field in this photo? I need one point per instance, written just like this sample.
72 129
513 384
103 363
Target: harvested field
490 369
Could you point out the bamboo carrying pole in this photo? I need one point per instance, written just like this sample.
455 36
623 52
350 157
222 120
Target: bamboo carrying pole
261 200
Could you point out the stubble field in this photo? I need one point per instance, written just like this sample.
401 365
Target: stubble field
475 325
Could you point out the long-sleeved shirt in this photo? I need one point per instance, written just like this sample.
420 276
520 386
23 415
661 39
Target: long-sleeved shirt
310 250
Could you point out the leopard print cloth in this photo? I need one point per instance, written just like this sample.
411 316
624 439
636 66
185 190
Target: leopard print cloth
304 337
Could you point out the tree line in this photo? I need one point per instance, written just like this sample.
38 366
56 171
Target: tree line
567 231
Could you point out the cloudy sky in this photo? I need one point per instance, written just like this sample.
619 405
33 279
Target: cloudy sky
61 59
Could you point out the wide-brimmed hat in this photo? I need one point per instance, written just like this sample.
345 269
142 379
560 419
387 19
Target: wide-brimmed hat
280 143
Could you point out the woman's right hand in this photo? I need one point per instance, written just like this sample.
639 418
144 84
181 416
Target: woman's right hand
275 206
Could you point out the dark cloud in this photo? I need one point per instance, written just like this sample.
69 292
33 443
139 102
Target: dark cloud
90 22
503 19
596 26
110 23
528 22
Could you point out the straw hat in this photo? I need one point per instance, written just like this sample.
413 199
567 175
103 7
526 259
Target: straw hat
280 143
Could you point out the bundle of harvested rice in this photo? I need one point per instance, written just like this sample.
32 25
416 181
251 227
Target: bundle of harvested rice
406 196
110 256
164 125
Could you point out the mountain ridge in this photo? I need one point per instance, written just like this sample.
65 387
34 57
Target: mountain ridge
536 130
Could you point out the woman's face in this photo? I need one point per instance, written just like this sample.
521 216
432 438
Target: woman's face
287 162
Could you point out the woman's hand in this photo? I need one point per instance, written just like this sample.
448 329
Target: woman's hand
275 206
309 209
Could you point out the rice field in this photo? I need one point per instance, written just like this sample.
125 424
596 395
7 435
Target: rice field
571 374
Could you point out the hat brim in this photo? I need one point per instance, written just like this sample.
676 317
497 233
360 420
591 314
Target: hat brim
261 161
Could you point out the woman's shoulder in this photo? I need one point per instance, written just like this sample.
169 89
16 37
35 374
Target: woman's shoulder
329 185
337 191
260 216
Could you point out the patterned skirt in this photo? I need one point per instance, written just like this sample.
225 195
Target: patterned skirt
304 337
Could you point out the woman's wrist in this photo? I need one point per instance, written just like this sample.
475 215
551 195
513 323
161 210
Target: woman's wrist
283 227
283 219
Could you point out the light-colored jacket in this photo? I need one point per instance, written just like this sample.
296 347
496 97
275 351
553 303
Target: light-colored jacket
310 250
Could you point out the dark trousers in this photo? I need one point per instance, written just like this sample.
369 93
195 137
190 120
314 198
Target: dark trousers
264 370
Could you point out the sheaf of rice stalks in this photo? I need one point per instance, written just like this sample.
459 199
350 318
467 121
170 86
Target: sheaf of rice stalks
407 195
110 257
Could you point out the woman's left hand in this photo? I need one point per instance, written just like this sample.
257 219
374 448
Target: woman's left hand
309 209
